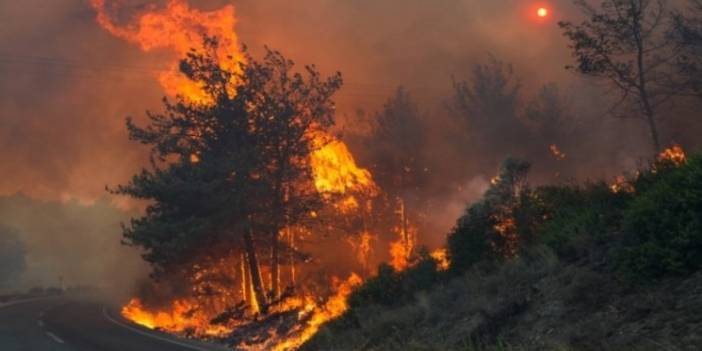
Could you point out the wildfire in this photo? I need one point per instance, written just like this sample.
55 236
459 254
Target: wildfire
335 169
181 316
441 258
333 308
178 28
674 154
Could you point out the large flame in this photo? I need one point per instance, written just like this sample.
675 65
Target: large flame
178 28
333 308
334 167
180 317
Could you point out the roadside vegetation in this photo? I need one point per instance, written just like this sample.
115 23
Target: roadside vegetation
595 266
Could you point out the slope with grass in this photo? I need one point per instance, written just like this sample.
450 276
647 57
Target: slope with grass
588 267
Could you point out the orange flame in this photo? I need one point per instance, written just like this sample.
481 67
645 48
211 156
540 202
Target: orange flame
674 154
441 258
181 316
334 167
333 308
178 28
557 153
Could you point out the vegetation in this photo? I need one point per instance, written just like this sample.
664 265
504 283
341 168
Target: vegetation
584 242
226 177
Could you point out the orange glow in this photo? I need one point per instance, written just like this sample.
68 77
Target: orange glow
335 170
542 12
180 29
557 153
674 154
333 308
441 257
182 315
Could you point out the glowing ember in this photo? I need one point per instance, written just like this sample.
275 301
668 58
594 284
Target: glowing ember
557 153
621 185
674 154
441 258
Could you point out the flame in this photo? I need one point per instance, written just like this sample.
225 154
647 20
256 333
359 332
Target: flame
674 154
334 167
441 258
180 29
557 153
181 316
333 308
621 185
362 247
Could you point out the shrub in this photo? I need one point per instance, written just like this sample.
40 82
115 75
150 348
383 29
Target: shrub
390 288
663 226
500 224
580 215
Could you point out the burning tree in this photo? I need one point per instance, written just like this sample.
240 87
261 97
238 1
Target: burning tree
398 140
226 175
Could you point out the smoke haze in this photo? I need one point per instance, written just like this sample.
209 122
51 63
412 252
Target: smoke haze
66 86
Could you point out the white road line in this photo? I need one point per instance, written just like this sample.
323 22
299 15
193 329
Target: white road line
174 342
56 338
17 302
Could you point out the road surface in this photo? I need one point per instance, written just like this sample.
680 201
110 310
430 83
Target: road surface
72 324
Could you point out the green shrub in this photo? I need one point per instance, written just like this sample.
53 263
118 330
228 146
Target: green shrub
577 216
390 288
476 237
663 225
469 242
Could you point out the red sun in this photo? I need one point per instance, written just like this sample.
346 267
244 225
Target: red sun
542 12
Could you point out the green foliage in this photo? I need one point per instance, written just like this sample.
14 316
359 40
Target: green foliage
476 236
663 225
579 215
391 288
225 169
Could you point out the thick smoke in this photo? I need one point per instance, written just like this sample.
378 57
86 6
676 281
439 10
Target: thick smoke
67 85
66 243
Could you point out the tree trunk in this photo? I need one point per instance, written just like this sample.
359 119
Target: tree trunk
291 232
244 282
275 264
642 87
259 294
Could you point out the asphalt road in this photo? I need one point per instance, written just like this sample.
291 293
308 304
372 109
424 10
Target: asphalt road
74 324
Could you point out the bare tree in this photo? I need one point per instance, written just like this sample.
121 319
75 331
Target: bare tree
623 42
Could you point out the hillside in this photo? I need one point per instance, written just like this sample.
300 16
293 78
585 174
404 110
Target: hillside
570 267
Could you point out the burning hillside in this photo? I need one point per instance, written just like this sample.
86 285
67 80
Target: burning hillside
259 267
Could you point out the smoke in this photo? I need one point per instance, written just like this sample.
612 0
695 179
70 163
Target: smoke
70 244
67 85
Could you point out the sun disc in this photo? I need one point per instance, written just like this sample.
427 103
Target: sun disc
542 12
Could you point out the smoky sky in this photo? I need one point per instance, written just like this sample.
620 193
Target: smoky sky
66 85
